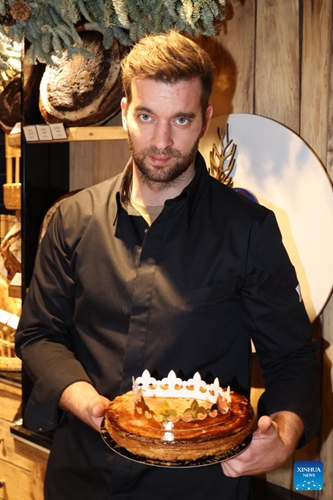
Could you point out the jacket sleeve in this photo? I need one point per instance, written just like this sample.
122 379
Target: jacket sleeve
44 334
280 330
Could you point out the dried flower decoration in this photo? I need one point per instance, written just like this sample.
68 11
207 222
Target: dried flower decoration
222 158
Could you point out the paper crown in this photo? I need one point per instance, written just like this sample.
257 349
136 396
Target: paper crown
172 386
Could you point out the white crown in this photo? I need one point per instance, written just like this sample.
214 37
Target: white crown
174 387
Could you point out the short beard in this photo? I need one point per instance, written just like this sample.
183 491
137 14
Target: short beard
163 176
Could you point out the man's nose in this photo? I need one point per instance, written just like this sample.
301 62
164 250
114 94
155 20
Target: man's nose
163 137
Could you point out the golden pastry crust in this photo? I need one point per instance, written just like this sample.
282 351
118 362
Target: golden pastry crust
181 441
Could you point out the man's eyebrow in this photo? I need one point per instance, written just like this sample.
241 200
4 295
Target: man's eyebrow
143 108
183 114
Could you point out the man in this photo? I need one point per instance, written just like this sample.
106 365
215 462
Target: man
163 268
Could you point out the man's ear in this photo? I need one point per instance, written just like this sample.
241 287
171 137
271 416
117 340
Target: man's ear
123 105
208 117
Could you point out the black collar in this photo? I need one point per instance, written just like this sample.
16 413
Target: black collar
192 192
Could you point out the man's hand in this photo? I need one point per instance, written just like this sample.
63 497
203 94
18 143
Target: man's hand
83 401
272 444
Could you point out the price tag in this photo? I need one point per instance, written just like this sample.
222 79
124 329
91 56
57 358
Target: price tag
30 133
13 321
58 131
4 316
44 133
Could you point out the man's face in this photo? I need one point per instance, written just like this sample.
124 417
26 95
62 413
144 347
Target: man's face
164 124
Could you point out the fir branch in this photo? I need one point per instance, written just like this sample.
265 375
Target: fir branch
108 38
185 11
134 13
68 10
157 17
122 13
122 36
46 41
64 37
206 16
78 50
63 25
2 7
52 24
137 31
170 6
10 59
83 9
109 13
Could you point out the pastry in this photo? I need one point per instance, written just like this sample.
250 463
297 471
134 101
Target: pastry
174 421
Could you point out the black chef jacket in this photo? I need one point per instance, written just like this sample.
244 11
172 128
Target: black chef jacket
111 297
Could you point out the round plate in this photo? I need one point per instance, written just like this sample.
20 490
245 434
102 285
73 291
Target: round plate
213 459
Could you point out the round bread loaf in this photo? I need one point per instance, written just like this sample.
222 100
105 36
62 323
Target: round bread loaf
10 251
10 104
81 91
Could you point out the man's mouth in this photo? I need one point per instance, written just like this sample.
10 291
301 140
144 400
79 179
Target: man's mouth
159 160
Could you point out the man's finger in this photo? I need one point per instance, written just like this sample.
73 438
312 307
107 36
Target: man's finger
264 423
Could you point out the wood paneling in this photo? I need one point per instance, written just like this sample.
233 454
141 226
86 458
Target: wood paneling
315 74
326 450
10 396
233 54
22 467
277 61
93 162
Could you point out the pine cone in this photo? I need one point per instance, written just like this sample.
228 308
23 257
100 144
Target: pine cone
20 10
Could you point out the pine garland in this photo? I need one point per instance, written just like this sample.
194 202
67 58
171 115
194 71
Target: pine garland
51 25
10 60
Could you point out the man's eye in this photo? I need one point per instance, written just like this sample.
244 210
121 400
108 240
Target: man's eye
182 121
144 117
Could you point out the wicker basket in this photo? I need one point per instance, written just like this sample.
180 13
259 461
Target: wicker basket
12 188
8 360
12 196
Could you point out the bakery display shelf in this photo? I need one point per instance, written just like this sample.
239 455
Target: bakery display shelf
11 377
15 286
76 134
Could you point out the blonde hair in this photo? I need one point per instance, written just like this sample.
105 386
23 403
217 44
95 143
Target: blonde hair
168 58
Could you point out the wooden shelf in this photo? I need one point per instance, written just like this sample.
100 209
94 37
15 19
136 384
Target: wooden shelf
76 134
96 133
15 287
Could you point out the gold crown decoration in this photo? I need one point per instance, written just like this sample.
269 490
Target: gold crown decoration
213 400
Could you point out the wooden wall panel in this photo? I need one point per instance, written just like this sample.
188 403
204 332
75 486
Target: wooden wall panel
326 451
233 90
94 161
277 61
329 152
316 129
315 74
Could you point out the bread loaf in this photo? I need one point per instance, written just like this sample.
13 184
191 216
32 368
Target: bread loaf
83 91
10 104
